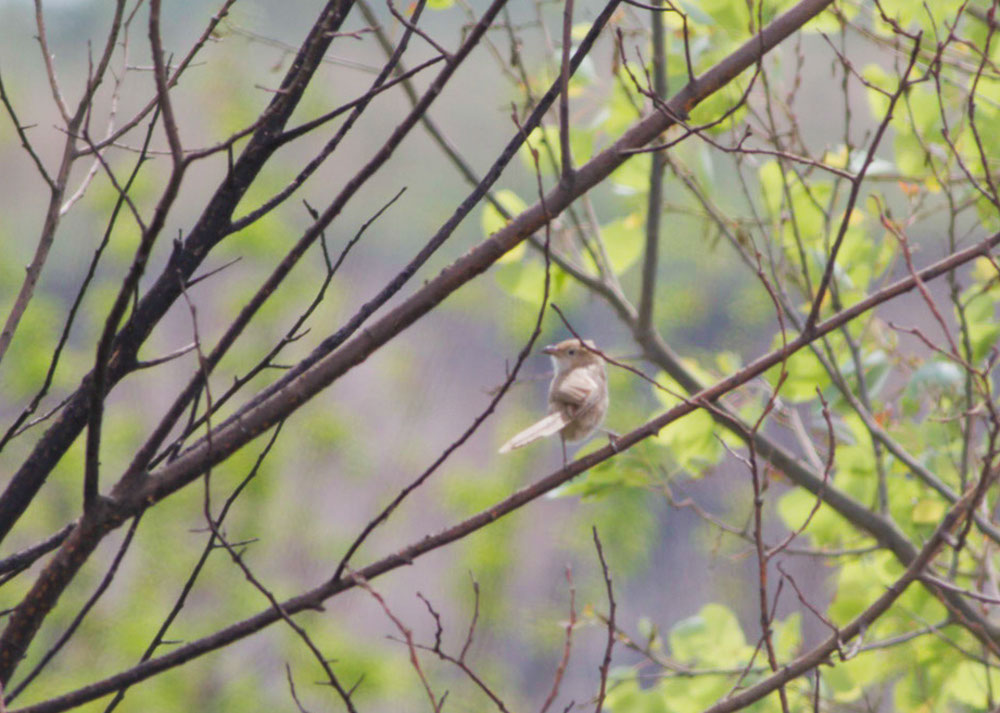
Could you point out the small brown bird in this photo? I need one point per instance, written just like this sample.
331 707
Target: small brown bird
578 396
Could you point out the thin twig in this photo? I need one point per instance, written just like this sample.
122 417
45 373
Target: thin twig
606 662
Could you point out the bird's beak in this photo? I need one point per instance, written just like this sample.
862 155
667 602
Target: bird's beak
550 350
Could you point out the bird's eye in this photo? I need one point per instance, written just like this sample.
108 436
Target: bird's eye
572 352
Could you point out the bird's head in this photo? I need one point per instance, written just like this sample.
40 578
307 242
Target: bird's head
572 353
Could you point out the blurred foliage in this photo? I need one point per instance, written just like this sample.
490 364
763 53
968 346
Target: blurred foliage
332 469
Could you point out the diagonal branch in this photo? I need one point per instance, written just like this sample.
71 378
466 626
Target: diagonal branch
818 655
273 407
185 259
285 396
314 598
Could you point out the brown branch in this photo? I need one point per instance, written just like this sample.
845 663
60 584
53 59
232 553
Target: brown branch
654 205
401 78
287 393
610 621
210 545
50 70
21 130
567 645
566 157
78 619
15 428
144 455
490 408
856 182
460 661
358 109
99 384
57 184
444 233
152 104
162 86
406 556
25 558
184 260
407 635
814 658
412 26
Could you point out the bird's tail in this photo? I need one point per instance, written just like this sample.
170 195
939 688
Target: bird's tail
553 423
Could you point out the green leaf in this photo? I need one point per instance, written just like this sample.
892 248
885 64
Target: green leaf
692 442
720 103
875 74
622 110
492 220
695 13
712 636
984 329
625 471
769 175
632 177
911 157
805 375
847 680
624 240
857 587
828 22
928 511
545 140
729 15
933 380
826 528
788 636
693 695
626 696
525 280
691 439
969 684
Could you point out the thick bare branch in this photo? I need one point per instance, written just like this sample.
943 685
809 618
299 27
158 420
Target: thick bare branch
406 556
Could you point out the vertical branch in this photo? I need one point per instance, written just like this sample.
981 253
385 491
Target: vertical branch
162 88
564 148
761 550
606 663
130 284
984 158
655 205
567 645
50 69
407 633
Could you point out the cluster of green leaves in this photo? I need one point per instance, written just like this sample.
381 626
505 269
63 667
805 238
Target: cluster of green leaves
707 654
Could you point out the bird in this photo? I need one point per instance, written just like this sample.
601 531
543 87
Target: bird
578 396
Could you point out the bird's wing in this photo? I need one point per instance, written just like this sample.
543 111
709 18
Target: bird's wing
577 389
553 423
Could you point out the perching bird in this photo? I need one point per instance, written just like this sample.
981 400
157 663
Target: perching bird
578 396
